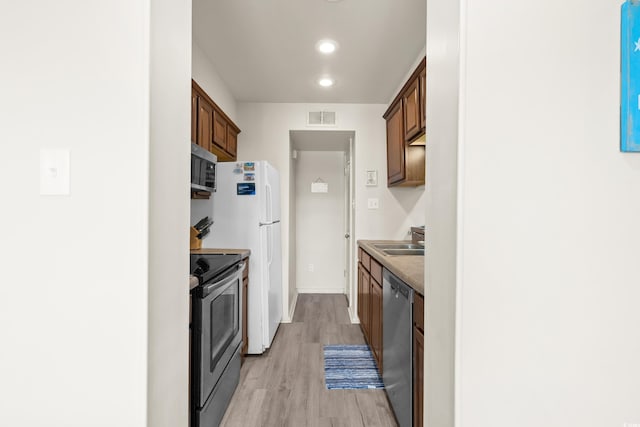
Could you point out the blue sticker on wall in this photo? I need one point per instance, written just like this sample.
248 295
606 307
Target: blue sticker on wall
630 77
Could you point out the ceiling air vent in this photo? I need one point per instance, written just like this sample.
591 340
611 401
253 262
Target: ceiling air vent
321 118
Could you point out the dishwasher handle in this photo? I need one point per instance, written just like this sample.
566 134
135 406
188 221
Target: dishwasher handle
404 291
399 287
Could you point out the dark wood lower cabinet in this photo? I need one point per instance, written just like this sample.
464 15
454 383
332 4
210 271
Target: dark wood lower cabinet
376 322
370 303
360 295
418 360
365 321
370 307
418 377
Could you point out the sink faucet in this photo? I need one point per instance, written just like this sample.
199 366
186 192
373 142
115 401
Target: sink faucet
417 235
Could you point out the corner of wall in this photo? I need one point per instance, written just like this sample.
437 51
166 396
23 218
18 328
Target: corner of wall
288 317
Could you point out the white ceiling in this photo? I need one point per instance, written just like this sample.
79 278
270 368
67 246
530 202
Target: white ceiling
264 50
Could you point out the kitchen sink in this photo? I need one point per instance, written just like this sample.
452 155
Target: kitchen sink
406 251
400 246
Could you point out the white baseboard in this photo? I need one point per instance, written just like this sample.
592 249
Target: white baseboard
321 290
291 310
353 316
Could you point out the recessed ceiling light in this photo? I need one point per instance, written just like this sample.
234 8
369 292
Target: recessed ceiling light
325 82
326 46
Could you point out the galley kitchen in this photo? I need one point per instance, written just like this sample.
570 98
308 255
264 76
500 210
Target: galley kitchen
307 237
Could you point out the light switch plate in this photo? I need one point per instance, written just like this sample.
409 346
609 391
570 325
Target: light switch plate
373 203
54 172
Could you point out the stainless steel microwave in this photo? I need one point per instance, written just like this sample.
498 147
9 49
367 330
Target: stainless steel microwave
203 169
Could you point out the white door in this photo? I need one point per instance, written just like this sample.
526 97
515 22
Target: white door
350 260
347 225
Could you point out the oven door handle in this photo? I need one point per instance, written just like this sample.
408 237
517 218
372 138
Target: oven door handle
209 289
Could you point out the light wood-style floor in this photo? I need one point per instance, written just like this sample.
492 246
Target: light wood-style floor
285 386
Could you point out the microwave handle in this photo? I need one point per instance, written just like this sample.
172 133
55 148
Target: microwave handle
215 177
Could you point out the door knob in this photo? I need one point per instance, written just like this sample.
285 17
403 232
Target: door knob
347 235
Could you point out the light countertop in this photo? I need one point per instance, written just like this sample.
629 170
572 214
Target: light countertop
408 268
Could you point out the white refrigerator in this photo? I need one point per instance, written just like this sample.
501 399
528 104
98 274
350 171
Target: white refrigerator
246 214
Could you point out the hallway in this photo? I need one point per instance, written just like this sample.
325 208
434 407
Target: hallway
285 386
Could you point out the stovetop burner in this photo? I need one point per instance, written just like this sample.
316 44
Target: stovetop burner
207 266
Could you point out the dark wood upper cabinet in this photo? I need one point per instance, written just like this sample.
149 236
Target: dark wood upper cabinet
411 110
395 146
194 117
405 127
219 131
423 98
232 141
205 122
211 128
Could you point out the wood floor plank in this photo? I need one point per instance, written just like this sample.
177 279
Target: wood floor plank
285 386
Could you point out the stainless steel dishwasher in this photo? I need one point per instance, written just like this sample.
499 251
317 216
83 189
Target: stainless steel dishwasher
397 329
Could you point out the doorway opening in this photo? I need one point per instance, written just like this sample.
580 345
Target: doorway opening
322 249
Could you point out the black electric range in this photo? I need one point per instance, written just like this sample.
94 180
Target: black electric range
216 335
208 266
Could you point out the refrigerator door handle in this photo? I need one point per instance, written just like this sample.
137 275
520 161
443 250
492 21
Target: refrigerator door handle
269 202
269 245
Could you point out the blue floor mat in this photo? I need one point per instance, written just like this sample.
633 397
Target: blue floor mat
350 367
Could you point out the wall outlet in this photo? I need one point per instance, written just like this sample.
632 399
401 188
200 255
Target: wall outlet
373 203
311 267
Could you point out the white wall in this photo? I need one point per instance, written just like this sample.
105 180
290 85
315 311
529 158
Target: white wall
205 74
549 281
320 222
292 293
265 135
170 125
441 217
85 276
73 294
